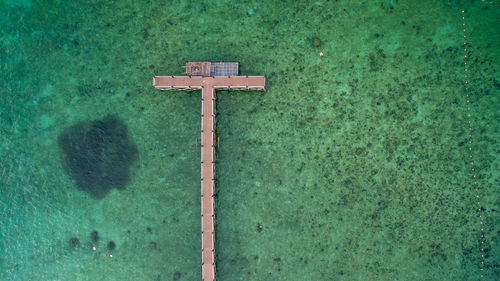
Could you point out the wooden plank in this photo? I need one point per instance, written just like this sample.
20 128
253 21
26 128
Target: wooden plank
207 167
196 82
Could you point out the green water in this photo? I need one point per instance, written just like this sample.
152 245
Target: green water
353 165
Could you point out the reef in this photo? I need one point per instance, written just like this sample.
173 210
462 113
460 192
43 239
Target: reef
94 236
73 242
316 42
98 155
111 245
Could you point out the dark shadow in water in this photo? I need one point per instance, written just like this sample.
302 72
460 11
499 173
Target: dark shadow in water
98 155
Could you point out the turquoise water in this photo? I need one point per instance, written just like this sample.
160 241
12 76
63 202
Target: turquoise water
353 165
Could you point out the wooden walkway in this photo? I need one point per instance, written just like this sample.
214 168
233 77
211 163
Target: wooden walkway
208 86
198 82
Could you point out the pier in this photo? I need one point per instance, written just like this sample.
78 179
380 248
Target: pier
209 76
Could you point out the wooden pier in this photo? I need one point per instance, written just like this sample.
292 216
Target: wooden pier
208 77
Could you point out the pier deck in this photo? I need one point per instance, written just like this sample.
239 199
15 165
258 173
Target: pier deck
208 84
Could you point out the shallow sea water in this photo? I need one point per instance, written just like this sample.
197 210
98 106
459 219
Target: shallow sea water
355 164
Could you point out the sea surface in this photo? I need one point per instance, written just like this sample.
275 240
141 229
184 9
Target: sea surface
373 154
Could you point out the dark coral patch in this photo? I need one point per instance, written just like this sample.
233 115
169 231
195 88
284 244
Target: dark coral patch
73 242
98 155
94 236
111 245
